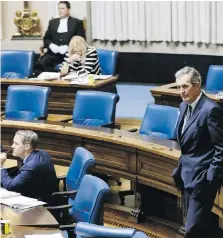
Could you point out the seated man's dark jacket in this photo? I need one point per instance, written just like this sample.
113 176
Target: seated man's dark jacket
36 178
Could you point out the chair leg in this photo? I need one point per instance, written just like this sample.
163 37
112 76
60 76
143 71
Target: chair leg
122 195
119 183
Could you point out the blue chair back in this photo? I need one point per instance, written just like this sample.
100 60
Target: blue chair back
23 98
107 61
95 108
160 121
16 63
20 115
214 81
88 204
82 163
84 230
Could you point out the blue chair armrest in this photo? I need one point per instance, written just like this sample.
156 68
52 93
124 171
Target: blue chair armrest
66 194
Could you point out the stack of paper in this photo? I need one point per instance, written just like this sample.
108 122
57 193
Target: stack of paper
49 76
56 235
83 79
76 79
101 77
7 194
17 201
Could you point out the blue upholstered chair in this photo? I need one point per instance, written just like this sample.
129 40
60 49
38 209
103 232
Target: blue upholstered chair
107 60
82 163
16 63
25 101
20 115
88 205
95 108
214 81
160 121
84 230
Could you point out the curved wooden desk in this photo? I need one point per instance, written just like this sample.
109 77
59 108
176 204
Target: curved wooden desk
37 216
149 160
169 95
61 100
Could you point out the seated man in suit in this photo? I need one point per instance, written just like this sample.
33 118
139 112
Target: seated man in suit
200 136
37 177
57 37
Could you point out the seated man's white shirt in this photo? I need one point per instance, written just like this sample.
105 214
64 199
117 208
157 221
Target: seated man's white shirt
63 25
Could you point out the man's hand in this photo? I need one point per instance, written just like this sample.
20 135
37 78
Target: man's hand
3 158
62 49
75 57
54 48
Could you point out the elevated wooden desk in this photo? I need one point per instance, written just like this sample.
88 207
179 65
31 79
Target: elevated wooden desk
149 160
36 217
62 98
169 95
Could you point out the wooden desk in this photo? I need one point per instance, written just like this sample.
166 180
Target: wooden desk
61 100
149 160
21 231
36 217
169 95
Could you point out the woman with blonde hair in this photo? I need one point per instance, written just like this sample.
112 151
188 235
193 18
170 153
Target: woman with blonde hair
80 58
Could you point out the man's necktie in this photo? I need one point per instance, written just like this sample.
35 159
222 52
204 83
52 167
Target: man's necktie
187 116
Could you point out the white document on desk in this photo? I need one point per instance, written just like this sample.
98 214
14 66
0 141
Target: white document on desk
76 79
49 76
100 77
71 76
7 194
21 202
56 235
81 79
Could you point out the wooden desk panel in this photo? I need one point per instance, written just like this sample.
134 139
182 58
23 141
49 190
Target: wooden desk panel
169 95
153 170
149 160
37 216
113 159
62 98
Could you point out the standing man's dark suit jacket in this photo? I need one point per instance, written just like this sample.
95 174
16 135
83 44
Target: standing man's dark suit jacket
74 27
36 178
201 162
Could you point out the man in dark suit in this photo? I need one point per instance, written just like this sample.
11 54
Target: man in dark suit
200 136
200 168
37 177
57 38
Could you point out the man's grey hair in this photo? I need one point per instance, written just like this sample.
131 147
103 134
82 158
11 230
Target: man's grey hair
194 76
28 136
